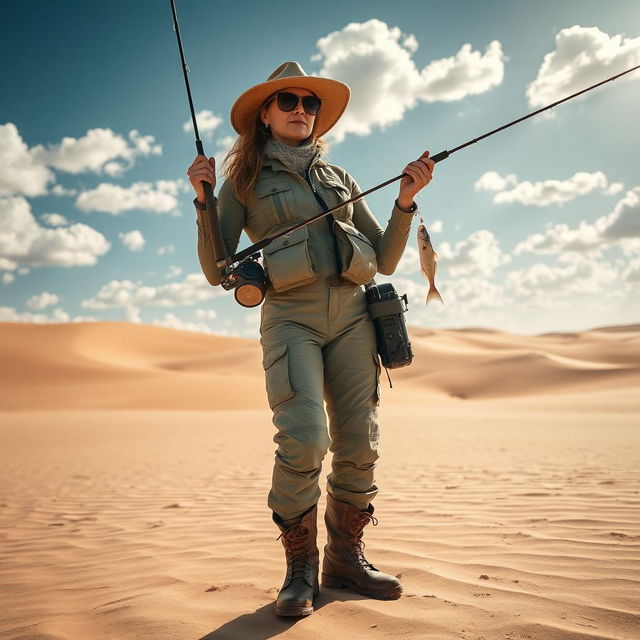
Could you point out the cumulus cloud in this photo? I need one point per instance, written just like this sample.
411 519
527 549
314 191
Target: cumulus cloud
23 241
127 294
42 300
545 192
207 121
632 272
112 198
133 240
375 60
479 254
583 56
173 272
54 219
59 190
173 322
10 314
99 150
22 172
622 224
578 274
28 172
166 250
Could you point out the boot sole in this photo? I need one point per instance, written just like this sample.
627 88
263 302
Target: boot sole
294 611
331 582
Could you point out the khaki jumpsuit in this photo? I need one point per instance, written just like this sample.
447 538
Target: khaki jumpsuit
318 340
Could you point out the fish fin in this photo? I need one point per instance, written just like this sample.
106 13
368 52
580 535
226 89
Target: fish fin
434 294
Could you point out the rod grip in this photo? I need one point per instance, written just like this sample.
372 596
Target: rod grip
443 155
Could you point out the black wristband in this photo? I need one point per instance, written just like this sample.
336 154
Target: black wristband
198 204
412 209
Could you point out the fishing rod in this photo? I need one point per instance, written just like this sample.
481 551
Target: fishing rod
443 155
242 271
218 245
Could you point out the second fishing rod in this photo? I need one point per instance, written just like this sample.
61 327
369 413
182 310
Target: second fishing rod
242 268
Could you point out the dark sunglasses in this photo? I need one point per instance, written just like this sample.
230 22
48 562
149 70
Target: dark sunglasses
289 101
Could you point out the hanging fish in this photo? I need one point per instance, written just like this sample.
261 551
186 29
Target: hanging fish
428 261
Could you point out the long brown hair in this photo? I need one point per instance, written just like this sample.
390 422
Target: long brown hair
243 161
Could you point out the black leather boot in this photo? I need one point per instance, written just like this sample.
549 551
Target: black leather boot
299 538
344 564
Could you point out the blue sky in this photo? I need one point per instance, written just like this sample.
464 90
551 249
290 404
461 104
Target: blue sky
537 228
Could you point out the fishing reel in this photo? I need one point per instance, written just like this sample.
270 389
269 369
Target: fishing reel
249 280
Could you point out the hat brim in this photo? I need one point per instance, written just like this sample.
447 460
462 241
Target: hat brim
333 93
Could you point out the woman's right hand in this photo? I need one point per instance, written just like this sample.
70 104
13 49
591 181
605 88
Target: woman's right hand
202 169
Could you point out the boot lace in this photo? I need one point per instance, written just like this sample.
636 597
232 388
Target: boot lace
355 541
295 540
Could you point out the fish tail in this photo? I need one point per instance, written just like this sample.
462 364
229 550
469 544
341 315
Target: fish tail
434 294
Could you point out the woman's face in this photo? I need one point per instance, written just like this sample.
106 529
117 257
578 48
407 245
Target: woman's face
289 127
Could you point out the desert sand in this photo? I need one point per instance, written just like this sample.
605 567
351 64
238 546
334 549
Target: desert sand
135 463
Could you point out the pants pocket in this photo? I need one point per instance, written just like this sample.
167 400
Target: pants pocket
275 363
377 392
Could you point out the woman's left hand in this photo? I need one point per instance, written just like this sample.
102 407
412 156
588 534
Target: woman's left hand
420 175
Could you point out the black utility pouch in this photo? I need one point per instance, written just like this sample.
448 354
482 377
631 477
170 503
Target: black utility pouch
387 309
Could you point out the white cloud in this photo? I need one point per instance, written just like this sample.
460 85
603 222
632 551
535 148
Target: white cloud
493 181
23 241
435 227
10 314
409 262
207 121
168 249
173 272
22 172
632 272
621 225
173 322
59 190
580 274
42 300
583 56
54 219
479 254
126 294
133 240
99 150
114 199
27 171
7 278
375 61
546 192
206 314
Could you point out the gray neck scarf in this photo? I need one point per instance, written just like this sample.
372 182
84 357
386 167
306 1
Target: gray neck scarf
295 158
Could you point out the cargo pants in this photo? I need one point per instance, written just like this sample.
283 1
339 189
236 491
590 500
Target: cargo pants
319 344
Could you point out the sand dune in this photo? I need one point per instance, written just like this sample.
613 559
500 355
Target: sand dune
135 463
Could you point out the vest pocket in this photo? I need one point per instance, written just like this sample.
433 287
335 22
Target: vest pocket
357 254
287 260
275 363
275 197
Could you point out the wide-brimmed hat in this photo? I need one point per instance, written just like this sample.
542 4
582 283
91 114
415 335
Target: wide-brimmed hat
333 93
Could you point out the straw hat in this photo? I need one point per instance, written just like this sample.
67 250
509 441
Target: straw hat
333 93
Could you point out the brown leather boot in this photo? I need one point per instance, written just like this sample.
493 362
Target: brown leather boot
301 584
344 564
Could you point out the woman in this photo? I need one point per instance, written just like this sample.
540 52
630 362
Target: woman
317 337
